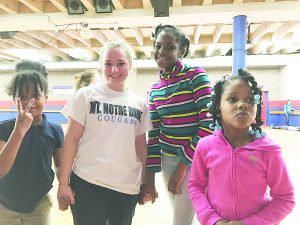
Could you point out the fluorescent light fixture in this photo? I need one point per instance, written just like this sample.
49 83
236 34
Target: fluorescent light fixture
32 54
80 53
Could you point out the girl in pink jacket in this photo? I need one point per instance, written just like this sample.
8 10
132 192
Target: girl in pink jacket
238 175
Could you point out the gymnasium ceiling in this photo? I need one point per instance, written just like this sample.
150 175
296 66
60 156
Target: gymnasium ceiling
45 29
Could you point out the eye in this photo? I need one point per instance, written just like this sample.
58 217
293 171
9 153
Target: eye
232 99
121 63
250 100
37 97
157 47
107 64
170 47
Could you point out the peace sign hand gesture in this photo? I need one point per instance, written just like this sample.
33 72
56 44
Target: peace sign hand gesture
24 118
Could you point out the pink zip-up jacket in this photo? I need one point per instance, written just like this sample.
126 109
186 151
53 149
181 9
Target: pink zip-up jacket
249 183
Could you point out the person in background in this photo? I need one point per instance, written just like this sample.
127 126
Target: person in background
238 175
287 109
104 155
83 79
27 145
177 104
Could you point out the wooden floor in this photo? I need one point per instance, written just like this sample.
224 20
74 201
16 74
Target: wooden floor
160 212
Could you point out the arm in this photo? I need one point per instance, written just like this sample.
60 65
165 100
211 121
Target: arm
154 152
281 191
9 150
141 152
74 132
56 152
56 161
197 187
201 88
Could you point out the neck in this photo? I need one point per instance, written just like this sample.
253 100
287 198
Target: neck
119 88
238 138
37 120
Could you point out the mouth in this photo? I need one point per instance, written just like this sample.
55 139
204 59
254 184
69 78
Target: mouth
161 59
242 114
115 76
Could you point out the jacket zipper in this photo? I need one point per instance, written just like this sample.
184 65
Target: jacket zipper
233 179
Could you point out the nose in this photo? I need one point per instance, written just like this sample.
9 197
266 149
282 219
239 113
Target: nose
114 69
243 105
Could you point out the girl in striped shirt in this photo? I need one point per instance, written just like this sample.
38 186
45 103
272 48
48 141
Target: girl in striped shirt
178 108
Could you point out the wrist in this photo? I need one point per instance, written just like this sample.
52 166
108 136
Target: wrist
182 167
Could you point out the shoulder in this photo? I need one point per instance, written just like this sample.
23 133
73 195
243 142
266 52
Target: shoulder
7 123
195 72
53 127
6 128
208 141
266 144
137 98
194 69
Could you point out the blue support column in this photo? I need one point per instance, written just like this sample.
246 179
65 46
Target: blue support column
239 43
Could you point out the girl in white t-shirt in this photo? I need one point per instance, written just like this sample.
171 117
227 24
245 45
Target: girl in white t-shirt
104 154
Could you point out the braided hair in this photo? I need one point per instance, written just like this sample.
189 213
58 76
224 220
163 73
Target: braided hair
214 108
183 39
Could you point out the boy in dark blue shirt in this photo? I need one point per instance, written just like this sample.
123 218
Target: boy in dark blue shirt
27 145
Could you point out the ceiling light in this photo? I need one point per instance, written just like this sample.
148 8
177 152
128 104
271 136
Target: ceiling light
86 32
103 6
161 8
74 7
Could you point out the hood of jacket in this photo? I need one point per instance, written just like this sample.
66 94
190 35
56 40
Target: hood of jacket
259 144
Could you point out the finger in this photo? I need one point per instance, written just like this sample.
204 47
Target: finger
19 106
176 189
65 201
63 207
28 106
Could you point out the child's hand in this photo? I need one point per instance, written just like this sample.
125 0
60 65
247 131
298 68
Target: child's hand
24 118
143 199
235 223
148 193
176 179
65 197
221 222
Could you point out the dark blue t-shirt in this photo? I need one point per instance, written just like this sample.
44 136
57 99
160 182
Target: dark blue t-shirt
31 176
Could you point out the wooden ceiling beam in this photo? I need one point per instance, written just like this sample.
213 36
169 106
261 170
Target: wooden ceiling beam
60 4
9 7
36 7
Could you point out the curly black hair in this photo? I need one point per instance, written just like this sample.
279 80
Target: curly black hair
23 79
26 64
181 37
218 89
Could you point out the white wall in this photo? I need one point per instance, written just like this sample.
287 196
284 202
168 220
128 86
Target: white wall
290 80
275 80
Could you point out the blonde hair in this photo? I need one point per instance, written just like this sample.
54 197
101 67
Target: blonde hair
83 79
118 44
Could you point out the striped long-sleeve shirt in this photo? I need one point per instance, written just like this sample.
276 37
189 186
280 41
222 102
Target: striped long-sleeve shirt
178 111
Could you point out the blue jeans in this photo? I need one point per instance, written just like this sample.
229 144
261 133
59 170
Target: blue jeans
96 205
183 210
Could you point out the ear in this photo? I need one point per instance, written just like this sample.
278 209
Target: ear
46 97
182 52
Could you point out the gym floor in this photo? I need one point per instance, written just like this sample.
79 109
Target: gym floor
160 212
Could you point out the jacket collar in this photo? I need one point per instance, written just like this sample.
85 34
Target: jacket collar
175 71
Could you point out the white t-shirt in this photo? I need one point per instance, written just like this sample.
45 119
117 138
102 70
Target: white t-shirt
106 152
